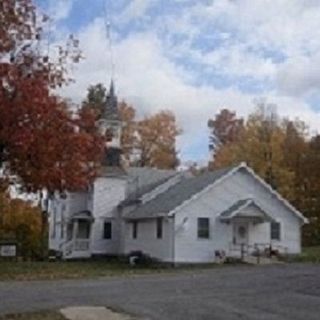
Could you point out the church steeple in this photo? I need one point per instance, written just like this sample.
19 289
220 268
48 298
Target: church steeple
111 90
110 122
110 111
110 127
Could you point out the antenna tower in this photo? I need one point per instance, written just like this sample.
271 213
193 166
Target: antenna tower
107 22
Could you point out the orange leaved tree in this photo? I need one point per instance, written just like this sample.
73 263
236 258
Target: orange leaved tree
42 144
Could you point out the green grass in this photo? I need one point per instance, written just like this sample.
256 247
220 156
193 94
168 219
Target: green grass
25 271
70 270
44 315
309 254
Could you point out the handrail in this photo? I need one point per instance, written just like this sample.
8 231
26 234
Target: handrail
272 246
63 243
258 248
68 248
75 245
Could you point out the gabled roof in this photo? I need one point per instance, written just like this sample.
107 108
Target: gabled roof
285 202
144 180
239 207
236 207
176 195
187 189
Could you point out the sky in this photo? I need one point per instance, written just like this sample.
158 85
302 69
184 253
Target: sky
195 57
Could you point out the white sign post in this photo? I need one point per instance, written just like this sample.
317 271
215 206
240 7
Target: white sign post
8 250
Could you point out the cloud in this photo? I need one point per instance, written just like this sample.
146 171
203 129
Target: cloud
162 65
135 9
248 38
300 76
60 9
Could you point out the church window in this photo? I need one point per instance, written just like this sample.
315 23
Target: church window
159 227
135 229
107 230
275 230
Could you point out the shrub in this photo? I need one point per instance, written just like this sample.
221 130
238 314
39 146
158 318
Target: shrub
140 258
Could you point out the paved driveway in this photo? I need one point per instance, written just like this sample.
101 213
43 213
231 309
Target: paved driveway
269 292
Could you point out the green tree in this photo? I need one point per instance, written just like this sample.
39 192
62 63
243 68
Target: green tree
95 99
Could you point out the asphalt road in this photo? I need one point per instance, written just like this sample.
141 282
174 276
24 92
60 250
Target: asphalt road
268 292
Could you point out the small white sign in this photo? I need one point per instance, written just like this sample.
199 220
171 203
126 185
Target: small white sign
8 250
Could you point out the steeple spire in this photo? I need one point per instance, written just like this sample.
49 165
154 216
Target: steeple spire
111 90
110 127
110 110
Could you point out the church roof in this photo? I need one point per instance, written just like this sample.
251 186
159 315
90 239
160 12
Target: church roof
239 209
144 180
110 110
141 180
235 207
112 171
176 195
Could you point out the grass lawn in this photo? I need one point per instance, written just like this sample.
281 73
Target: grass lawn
10 270
70 270
94 269
45 315
309 254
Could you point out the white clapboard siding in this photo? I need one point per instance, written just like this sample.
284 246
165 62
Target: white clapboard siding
147 241
108 193
240 185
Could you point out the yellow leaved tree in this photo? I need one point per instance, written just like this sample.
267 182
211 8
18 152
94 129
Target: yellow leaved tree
22 222
261 144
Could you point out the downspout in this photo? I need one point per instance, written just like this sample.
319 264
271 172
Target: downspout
172 218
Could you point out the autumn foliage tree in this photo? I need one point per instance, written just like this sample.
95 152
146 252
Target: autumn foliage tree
224 128
260 144
42 143
157 140
309 200
282 152
129 129
22 221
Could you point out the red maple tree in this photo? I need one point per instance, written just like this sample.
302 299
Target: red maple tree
42 142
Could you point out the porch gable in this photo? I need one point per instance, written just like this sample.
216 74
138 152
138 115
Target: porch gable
247 209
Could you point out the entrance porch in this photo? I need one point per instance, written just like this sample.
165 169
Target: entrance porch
78 244
250 228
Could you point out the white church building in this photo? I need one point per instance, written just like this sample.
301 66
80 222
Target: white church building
172 216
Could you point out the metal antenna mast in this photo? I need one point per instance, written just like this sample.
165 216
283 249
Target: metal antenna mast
107 21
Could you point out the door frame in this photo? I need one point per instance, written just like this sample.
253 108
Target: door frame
236 234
